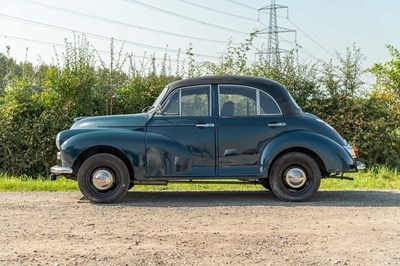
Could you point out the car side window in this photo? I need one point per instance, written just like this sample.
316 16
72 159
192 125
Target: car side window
195 101
191 101
267 105
171 105
237 101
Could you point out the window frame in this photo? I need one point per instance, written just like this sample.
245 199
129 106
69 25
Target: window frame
179 91
258 105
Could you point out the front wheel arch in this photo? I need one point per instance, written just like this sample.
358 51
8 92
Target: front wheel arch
103 149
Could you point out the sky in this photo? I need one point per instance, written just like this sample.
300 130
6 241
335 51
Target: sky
37 29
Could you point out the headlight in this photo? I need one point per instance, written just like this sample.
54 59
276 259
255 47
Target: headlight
58 141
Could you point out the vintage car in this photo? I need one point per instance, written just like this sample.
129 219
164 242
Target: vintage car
235 129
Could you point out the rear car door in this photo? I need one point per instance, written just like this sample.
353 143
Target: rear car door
248 119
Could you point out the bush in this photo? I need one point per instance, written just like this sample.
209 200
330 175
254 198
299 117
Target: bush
37 102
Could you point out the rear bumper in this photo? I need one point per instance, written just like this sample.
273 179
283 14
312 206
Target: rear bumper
360 165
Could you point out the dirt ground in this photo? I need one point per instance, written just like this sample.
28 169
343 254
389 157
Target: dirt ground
201 228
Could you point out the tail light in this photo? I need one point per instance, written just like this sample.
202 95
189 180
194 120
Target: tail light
355 151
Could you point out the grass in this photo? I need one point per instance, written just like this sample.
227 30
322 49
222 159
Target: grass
374 178
24 183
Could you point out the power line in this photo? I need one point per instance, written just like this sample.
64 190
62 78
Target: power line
122 23
185 17
309 37
297 27
30 40
297 46
217 11
63 46
243 5
40 24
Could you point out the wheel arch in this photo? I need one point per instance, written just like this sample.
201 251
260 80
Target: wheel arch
328 154
309 152
103 149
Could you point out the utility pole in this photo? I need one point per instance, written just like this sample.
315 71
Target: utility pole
273 30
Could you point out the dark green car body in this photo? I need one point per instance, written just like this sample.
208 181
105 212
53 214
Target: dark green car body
228 127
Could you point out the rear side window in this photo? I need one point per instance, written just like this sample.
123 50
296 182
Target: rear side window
235 100
268 106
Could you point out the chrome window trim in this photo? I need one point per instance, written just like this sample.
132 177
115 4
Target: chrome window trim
166 101
180 102
179 90
280 110
257 100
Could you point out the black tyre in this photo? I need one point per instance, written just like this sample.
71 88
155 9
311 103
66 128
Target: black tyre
265 183
103 178
295 176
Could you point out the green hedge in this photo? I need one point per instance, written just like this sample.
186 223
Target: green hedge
38 101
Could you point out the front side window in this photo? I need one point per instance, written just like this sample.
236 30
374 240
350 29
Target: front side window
171 105
191 101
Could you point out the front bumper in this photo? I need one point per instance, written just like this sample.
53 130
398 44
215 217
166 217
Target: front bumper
59 170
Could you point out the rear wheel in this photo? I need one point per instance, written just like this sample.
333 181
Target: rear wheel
103 178
295 176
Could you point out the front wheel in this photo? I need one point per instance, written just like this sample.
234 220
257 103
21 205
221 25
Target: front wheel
103 178
295 176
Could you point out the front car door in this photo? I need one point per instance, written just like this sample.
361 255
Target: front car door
248 119
180 140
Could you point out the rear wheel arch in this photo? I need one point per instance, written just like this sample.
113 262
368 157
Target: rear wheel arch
306 151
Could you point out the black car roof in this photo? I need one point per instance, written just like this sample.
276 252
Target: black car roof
273 88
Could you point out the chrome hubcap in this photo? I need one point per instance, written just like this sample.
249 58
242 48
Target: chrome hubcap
102 179
295 177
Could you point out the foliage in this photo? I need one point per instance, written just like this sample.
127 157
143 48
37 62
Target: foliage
38 101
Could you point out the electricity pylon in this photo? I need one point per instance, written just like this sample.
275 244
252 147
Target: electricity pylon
273 30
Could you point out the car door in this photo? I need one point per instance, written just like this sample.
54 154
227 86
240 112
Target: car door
248 119
180 140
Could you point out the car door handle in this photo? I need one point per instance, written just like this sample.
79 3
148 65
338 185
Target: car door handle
276 124
204 125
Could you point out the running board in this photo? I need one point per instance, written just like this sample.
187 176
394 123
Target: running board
340 177
166 182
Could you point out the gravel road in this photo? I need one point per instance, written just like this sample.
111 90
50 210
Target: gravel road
201 228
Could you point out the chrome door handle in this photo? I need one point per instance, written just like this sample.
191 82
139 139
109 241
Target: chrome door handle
204 125
275 124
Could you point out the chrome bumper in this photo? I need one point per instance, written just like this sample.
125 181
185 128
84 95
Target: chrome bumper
61 170
360 165
58 170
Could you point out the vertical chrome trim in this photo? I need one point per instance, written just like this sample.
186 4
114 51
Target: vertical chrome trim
210 102
258 102
180 102
219 100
